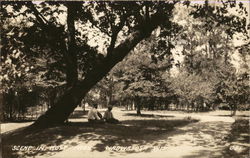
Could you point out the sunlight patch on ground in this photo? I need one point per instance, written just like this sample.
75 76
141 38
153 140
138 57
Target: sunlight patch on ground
7 127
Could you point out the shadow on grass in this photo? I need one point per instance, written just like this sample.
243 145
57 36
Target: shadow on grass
148 115
208 139
79 114
232 116
128 133
19 121
239 139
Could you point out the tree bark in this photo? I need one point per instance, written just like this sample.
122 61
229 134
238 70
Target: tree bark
233 110
74 94
70 55
138 106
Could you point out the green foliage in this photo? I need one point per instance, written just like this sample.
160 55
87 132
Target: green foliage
17 101
208 45
143 77
192 88
219 15
45 24
234 90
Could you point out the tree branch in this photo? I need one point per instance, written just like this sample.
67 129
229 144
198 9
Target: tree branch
41 19
90 18
146 11
115 32
119 52
100 28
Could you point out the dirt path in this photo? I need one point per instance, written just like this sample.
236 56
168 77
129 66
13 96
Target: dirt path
206 138
7 127
158 134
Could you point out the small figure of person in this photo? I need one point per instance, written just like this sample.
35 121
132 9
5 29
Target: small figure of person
108 116
94 116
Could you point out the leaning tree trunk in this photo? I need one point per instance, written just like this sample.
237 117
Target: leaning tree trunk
73 95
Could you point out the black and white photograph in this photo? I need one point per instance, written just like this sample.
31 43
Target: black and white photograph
125 79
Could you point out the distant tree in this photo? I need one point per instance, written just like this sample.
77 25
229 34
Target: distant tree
207 38
192 90
233 89
141 80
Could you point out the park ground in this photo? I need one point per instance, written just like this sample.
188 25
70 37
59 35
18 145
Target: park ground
166 134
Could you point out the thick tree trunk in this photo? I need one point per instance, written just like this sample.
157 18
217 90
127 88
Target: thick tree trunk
138 109
73 95
70 54
138 106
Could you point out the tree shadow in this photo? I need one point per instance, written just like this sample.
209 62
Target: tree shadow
239 138
202 153
232 116
148 115
211 137
79 114
19 121
129 132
